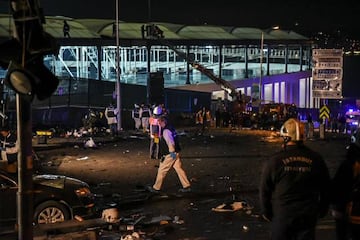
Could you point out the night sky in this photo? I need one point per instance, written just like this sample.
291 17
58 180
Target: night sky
306 16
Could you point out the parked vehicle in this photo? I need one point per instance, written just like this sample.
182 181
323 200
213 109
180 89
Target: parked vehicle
56 198
352 120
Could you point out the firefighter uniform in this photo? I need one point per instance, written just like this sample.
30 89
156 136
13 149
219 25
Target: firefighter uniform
294 190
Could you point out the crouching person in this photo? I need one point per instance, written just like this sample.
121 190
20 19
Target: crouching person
9 150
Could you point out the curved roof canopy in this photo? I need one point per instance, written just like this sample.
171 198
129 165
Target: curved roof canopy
106 28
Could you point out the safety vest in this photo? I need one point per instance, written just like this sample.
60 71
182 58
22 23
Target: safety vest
136 113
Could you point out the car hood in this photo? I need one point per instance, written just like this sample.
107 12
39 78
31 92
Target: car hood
57 181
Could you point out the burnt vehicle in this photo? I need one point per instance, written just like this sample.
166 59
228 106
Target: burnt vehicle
56 198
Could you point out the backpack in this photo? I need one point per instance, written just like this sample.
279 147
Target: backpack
353 206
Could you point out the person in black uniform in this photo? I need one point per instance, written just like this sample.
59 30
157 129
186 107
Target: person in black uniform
347 178
294 187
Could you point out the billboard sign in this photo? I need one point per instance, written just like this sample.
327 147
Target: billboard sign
327 73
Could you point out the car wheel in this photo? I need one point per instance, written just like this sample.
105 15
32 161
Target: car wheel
51 212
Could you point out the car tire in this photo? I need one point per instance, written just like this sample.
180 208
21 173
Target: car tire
51 212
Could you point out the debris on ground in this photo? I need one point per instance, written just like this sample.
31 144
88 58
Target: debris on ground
230 207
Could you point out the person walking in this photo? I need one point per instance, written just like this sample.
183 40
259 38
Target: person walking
294 187
170 152
345 195
111 116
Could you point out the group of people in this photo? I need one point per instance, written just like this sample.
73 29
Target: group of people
94 120
203 120
296 189
141 114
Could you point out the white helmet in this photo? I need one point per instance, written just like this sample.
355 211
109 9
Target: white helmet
292 130
157 111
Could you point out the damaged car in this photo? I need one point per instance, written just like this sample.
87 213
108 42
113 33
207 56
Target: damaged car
56 198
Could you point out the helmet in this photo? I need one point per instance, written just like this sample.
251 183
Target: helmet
292 130
110 215
157 110
355 138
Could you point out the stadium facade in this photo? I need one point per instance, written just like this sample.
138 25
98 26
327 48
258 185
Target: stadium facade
276 63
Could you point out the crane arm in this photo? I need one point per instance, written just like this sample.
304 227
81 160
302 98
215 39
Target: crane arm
152 31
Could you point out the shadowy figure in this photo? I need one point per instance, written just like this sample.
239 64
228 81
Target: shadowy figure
66 29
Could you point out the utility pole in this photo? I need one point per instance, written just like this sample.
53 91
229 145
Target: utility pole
149 10
261 63
148 48
118 85
262 60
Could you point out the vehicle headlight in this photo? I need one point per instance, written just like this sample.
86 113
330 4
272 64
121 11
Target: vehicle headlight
83 192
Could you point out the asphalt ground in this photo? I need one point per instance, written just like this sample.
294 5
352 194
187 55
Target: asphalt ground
223 167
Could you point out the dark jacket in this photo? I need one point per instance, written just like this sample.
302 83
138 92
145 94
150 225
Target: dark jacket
295 183
344 179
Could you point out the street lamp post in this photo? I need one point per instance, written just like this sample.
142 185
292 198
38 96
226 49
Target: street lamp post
262 60
261 63
118 89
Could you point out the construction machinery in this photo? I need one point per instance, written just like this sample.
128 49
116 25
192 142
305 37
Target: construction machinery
152 31
237 106
268 116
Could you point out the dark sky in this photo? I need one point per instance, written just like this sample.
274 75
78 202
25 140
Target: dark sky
304 16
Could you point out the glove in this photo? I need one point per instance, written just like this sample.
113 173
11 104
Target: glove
173 155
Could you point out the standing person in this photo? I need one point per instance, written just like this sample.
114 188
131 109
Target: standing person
345 197
9 149
145 113
341 122
111 116
200 121
217 117
135 114
294 187
309 127
155 132
207 119
170 152
66 29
